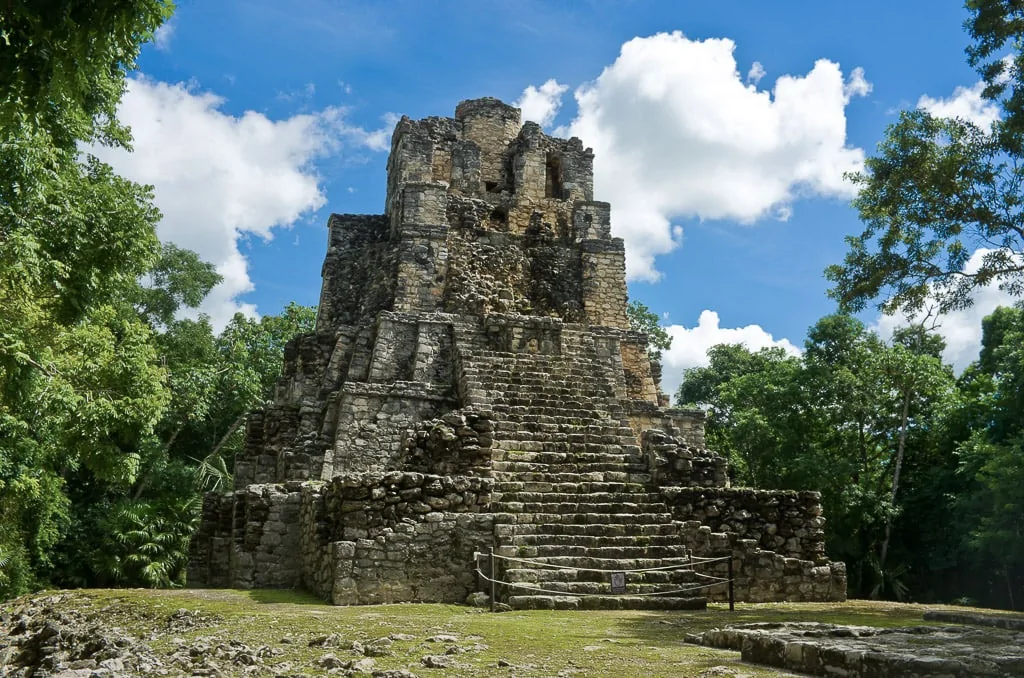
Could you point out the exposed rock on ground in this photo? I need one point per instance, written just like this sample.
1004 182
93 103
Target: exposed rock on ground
47 637
867 652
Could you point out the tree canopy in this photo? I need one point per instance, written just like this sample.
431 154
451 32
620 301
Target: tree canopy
103 381
941 201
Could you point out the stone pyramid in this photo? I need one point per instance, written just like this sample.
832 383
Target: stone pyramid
473 385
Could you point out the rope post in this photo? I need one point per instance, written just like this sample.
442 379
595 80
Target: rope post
732 596
490 554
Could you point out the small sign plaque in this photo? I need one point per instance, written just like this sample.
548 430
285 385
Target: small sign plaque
618 582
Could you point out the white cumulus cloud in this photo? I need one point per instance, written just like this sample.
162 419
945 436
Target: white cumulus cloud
541 104
162 36
961 329
690 345
966 103
857 85
219 178
756 72
677 133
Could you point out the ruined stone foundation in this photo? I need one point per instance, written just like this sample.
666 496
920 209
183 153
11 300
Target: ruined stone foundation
473 383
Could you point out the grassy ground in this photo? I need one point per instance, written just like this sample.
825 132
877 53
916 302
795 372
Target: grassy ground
529 643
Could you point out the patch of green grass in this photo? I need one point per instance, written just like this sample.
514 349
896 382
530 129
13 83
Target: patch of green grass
535 643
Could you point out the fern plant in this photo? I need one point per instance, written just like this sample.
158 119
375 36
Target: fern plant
151 542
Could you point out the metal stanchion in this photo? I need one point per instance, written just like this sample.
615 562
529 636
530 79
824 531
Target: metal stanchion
490 553
732 596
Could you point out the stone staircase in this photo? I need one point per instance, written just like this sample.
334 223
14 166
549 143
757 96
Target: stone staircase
571 497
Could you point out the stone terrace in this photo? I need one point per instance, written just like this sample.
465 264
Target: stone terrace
473 384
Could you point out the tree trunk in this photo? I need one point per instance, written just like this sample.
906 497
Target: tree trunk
900 447
231 429
144 480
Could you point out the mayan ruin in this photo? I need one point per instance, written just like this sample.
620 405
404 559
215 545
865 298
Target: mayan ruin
473 384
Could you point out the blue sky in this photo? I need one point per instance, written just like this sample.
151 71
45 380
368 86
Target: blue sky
254 120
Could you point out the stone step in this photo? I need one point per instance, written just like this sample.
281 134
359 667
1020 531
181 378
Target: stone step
556 384
563 508
594 541
590 588
532 491
577 456
570 396
529 420
488 357
664 578
607 552
580 369
529 441
594 529
582 518
511 482
558 453
578 497
555 425
624 551
512 467
517 461
547 602
586 562
593 389
569 442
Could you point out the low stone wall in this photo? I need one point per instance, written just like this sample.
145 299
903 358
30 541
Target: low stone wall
429 561
394 537
251 539
361 538
762 576
783 521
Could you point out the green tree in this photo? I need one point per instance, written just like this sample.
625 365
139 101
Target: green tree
63 64
992 456
138 534
754 410
80 379
642 319
841 419
938 189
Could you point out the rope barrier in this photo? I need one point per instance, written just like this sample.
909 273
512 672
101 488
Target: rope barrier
664 568
708 576
537 589
687 567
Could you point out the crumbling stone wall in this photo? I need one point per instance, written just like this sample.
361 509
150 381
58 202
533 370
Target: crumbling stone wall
397 536
686 426
249 538
781 521
673 463
357 271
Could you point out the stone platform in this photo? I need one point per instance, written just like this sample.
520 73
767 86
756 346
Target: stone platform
869 652
473 384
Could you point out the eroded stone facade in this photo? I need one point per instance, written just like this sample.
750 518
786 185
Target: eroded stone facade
473 383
